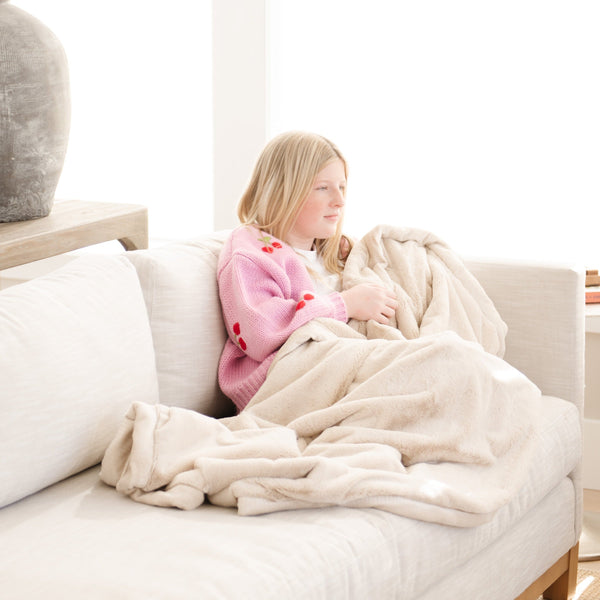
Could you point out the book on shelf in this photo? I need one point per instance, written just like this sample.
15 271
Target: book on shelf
592 287
592 278
592 294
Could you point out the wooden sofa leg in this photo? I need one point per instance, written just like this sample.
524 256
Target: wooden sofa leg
564 587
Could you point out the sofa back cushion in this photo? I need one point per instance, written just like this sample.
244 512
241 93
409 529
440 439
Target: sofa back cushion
179 282
75 352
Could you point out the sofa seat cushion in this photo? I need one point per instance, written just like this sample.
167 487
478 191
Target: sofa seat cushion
76 352
523 552
82 539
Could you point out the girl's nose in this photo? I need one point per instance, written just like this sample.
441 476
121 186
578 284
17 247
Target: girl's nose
338 198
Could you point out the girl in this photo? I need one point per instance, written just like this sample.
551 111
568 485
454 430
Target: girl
282 266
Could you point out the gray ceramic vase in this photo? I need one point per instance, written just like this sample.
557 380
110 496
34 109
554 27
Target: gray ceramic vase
35 115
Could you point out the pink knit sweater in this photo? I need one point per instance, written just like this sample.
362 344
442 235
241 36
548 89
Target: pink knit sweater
266 293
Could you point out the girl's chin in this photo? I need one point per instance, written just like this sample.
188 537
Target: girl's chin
327 232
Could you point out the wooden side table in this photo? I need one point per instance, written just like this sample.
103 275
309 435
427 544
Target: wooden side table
73 224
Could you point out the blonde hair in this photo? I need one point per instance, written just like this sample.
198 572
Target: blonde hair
280 183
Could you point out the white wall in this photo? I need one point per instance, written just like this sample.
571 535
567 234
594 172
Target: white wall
240 99
591 422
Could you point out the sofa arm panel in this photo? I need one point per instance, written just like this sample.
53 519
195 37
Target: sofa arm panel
544 308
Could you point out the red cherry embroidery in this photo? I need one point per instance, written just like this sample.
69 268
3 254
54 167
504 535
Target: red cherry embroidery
268 244
238 340
305 298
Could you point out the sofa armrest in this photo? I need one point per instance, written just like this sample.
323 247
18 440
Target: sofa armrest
544 308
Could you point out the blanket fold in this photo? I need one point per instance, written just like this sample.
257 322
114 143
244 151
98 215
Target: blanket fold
421 417
434 289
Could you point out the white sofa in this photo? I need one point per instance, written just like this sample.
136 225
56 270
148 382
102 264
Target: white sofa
79 345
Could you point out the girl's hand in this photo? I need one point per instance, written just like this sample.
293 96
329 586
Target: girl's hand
370 301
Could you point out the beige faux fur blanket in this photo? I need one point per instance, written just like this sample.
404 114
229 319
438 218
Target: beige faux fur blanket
421 418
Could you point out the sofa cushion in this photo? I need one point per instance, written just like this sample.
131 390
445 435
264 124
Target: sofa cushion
179 283
76 352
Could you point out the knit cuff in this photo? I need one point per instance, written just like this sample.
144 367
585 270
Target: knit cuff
339 307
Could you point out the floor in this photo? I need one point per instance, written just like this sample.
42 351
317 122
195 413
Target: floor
591 502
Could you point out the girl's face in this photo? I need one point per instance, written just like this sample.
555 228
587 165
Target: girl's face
322 209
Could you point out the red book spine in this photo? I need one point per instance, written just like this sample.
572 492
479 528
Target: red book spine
592 297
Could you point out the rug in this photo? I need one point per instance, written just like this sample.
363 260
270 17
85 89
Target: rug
588 585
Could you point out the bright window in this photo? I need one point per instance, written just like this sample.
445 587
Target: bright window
477 121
